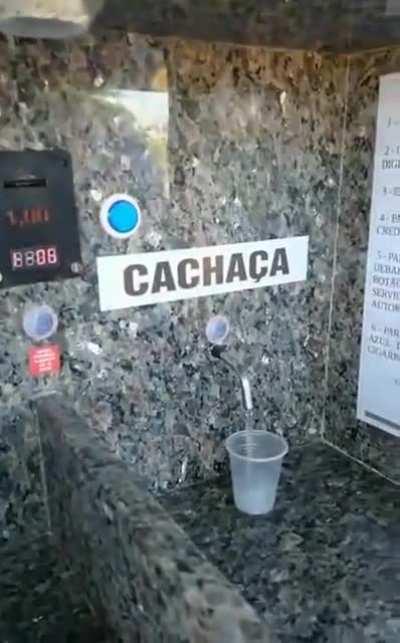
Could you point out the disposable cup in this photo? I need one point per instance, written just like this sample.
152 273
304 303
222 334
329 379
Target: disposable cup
256 460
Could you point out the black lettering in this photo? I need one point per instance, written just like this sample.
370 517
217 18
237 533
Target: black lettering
133 286
236 269
256 268
183 278
213 269
163 277
390 164
280 262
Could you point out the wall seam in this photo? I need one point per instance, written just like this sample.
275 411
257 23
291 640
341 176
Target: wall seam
336 243
365 466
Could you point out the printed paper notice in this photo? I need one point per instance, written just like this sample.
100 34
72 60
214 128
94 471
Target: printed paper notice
379 381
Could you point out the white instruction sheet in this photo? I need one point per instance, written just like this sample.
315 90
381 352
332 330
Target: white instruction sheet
379 380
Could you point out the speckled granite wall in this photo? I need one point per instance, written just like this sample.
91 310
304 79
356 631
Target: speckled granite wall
371 446
256 155
254 146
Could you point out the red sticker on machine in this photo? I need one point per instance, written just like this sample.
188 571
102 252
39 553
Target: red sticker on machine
44 360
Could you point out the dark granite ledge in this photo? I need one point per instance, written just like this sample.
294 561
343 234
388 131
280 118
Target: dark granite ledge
138 568
324 566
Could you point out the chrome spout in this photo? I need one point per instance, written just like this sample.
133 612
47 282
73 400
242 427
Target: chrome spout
247 398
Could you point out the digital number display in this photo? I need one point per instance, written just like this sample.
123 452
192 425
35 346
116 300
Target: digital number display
39 257
28 217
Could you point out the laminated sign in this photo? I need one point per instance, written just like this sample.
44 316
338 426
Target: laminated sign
150 278
379 380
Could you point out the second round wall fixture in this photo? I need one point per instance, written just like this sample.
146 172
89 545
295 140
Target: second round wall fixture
39 322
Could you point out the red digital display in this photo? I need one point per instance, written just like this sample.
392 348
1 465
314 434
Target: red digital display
39 257
28 217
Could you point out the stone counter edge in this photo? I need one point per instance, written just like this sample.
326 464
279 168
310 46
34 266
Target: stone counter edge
138 568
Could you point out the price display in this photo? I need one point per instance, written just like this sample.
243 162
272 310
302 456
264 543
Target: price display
27 217
39 238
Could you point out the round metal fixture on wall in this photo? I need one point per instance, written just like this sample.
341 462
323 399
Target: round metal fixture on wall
40 322
217 330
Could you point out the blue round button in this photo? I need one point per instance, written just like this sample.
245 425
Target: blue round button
123 216
120 216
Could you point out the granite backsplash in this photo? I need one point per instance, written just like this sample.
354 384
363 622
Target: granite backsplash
255 142
253 153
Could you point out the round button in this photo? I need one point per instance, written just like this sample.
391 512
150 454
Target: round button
123 216
120 216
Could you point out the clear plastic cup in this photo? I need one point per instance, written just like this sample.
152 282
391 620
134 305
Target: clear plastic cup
256 460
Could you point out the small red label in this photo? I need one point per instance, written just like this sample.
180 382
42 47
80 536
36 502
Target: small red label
44 360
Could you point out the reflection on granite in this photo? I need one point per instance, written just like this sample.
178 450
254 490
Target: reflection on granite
372 446
137 566
324 565
37 604
339 25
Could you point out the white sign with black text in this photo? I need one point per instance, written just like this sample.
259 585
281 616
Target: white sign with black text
379 381
151 278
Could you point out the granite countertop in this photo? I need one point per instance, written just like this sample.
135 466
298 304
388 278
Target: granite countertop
324 566
35 606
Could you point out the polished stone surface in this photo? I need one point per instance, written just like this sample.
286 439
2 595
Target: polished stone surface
253 153
374 447
324 566
137 567
40 601
335 25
